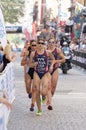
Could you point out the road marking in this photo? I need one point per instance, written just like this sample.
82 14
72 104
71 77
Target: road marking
70 95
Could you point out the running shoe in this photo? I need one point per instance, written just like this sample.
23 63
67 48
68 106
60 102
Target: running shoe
50 107
32 107
43 99
39 113
30 95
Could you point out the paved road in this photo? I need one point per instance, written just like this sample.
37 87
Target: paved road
69 103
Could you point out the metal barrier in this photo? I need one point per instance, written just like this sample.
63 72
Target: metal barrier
79 59
6 84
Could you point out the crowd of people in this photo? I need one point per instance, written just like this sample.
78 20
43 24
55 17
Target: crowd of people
41 78
41 59
77 45
41 62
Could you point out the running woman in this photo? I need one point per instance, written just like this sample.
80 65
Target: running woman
28 71
59 58
41 80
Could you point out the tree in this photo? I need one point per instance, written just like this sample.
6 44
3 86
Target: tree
13 10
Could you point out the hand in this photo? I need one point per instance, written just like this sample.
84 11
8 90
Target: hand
51 69
35 64
6 102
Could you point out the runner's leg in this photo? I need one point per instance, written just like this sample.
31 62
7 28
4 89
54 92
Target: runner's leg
54 81
36 86
28 83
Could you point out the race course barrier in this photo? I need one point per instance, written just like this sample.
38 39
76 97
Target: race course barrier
79 59
7 85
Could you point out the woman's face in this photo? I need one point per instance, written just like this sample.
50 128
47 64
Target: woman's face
33 46
51 43
41 44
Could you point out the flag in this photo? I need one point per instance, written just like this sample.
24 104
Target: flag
34 36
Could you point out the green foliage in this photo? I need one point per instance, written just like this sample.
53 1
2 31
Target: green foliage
13 10
16 39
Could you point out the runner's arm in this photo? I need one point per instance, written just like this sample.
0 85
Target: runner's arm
52 58
61 57
31 61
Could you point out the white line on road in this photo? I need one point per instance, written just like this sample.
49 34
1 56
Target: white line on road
70 95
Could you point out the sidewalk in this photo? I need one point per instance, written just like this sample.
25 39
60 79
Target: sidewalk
69 103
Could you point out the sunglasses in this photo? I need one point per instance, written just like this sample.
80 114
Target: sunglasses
52 42
42 43
33 45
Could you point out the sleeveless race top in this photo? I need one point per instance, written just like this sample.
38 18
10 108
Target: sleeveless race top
55 54
42 60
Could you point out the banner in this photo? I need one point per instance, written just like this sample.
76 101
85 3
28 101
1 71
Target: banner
3 39
79 59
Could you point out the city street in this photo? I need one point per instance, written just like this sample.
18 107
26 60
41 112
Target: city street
69 104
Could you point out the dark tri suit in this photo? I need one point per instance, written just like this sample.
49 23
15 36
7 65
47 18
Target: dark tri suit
55 66
31 69
5 61
42 67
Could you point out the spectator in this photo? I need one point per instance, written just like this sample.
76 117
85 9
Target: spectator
1 58
83 45
45 34
7 58
74 44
